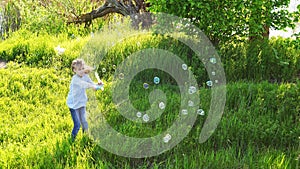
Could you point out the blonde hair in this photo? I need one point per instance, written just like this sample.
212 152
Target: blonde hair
79 63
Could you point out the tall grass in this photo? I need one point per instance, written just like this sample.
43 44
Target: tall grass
259 129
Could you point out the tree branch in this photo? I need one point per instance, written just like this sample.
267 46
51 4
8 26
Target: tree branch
123 7
87 18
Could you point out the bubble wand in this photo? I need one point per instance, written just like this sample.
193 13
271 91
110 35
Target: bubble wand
100 83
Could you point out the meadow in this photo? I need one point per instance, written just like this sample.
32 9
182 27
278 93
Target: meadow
260 127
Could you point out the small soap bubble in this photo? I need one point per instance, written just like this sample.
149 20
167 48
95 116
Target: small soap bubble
190 103
114 67
192 90
146 85
162 105
156 80
213 60
103 70
145 117
167 138
209 83
200 112
213 73
184 66
139 114
216 81
59 50
121 76
184 111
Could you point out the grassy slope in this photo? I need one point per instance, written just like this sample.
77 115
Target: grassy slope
259 129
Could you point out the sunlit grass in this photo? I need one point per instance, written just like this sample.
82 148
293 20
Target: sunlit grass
253 133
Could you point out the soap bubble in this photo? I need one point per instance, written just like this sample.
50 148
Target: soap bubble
216 81
213 73
156 80
192 90
213 60
145 117
184 66
200 112
184 111
162 105
59 50
139 114
167 138
209 83
103 70
121 76
191 103
146 85
114 67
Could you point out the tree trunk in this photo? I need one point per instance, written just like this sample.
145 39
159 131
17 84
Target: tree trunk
127 7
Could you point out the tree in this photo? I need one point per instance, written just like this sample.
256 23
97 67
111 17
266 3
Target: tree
123 7
221 21
228 20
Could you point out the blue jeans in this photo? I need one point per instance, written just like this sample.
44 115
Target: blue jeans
79 118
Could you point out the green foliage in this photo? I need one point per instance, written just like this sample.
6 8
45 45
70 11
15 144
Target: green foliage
48 16
39 49
275 60
266 108
259 129
9 18
233 20
32 116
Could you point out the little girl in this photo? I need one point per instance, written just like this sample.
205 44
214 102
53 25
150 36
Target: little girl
77 97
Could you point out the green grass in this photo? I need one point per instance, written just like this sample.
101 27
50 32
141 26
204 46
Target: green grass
259 129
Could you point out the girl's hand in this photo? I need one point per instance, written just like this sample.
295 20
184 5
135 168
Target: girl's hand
97 87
